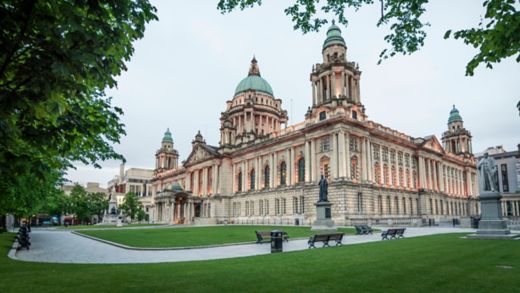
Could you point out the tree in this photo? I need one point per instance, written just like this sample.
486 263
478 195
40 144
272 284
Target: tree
497 36
57 59
131 206
98 203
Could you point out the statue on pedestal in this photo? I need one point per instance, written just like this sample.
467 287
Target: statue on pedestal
488 172
324 189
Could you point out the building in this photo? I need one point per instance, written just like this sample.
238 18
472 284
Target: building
264 171
508 164
134 180
91 187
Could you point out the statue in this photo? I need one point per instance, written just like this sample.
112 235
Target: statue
324 189
488 173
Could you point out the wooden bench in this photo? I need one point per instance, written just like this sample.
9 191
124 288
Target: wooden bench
363 230
265 236
325 238
393 234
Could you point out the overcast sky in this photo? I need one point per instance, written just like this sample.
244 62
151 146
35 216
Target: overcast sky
190 61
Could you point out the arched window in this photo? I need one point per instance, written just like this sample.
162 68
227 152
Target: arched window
377 171
324 167
239 183
301 170
394 177
408 178
354 172
283 174
354 115
401 177
252 180
266 176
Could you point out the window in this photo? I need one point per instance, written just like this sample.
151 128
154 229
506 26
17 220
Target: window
302 204
323 115
360 202
301 170
247 208
295 205
252 180
239 183
277 206
283 174
261 207
266 176
396 200
404 206
354 174
354 115
284 206
325 144
505 181
266 206
380 200
377 171
353 144
388 205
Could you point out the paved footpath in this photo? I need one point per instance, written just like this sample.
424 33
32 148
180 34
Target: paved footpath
56 246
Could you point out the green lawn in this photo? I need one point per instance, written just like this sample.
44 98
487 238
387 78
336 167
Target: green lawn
82 227
195 236
442 263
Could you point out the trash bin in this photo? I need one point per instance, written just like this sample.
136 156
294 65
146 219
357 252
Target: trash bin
276 241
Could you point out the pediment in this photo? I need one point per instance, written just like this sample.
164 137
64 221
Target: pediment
432 143
199 153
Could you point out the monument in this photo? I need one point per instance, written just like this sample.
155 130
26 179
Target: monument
492 225
111 214
323 220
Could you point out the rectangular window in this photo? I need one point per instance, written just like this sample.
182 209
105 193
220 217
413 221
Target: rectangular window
284 206
360 202
323 115
261 206
295 205
325 144
277 206
505 181
266 203
302 204
247 208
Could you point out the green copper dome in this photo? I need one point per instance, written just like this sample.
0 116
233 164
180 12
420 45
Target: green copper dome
167 136
176 187
454 115
254 81
333 37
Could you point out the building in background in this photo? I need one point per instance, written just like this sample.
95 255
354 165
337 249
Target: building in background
91 187
134 180
508 164
266 172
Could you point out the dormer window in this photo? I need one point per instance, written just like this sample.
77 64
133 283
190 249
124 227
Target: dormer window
354 115
323 115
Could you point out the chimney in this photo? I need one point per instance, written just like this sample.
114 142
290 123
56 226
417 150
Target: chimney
121 172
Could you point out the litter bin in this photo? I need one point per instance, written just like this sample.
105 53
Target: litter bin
276 241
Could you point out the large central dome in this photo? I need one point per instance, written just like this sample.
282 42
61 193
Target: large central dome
254 81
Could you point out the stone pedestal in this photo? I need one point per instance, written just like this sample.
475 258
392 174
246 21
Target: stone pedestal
492 225
323 221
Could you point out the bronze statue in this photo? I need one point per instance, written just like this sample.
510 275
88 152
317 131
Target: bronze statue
488 173
324 189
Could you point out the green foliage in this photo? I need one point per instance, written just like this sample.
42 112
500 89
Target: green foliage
84 204
132 207
57 59
495 40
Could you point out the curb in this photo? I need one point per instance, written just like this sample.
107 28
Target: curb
168 248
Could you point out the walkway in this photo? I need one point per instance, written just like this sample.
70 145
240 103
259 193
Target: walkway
55 246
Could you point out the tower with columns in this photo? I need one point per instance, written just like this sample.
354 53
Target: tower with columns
457 139
166 158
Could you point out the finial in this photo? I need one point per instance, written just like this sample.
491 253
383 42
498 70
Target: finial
333 22
254 70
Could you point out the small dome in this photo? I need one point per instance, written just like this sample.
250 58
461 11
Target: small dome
454 115
167 136
176 187
333 37
254 81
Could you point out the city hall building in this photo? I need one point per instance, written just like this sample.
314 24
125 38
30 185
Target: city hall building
266 172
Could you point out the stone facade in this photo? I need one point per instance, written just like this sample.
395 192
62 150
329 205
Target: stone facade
264 171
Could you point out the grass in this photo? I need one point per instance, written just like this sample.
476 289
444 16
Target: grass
441 263
108 226
195 236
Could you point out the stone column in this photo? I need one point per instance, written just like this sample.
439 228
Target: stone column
205 181
422 177
307 157
233 178
275 171
320 91
363 160
347 154
244 176
341 154
314 100
334 161
441 177
332 84
291 166
370 161
314 165
196 182
329 89
188 181
343 89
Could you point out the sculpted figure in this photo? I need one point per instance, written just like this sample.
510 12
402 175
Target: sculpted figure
324 189
488 173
